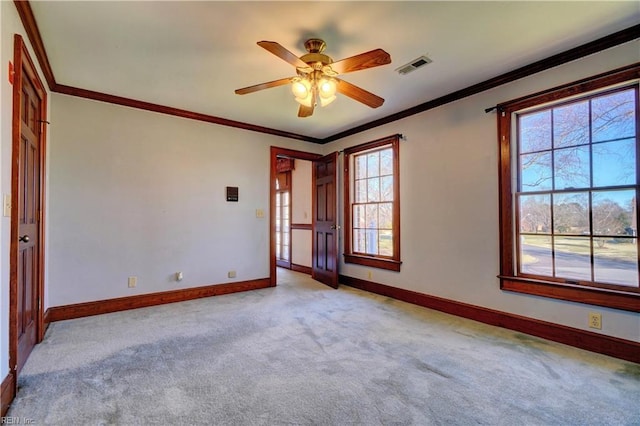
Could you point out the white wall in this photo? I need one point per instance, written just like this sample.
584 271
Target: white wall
11 25
301 212
449 202
136 193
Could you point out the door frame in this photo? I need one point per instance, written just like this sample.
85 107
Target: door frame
23 65
275 153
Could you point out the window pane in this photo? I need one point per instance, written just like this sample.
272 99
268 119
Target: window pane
614 212
571 167
361 191
535 171
365 241
616 261
372 216
359 216
373 189
386 162
385 216
571 125
535 255
386 188
535 213
371 244
373 168
361 166
571 213
385 243
535 131
614 163
359 236
573 257
613 116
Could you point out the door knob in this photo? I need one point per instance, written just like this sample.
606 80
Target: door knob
24 239
335 227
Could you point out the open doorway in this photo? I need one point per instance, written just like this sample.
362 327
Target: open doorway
311 224
293 219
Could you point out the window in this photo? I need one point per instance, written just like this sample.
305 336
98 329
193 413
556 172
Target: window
569 192
372 204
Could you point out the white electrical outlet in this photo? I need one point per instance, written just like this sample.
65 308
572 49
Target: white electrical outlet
595 320
133 281
179 276
231 274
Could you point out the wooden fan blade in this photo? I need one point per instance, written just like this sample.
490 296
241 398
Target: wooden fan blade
282 53
263 86
360 95
371 59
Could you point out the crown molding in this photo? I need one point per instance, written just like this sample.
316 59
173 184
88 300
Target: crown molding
148 106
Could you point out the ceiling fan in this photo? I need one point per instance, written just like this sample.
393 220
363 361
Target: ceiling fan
316 79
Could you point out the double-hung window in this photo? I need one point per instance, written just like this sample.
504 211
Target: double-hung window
569 192
372 204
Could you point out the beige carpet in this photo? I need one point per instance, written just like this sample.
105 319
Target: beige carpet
302 353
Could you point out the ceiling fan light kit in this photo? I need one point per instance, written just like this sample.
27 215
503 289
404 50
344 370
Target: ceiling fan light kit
316 79
310 87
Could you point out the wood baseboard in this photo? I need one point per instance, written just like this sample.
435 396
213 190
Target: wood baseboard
7 393
301 268
78 310
46 320
594 342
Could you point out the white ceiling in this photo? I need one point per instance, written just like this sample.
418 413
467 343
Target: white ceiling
193 55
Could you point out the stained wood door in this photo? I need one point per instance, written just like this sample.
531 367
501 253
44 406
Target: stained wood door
28 211
325 235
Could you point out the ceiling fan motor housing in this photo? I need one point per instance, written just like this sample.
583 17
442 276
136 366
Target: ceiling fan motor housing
315 45
315 58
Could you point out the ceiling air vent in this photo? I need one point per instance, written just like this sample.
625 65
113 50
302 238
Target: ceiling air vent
414 65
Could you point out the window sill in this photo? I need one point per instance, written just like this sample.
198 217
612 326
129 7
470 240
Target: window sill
573 293
373 262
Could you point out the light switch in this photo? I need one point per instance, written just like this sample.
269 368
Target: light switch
6 205
259 213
